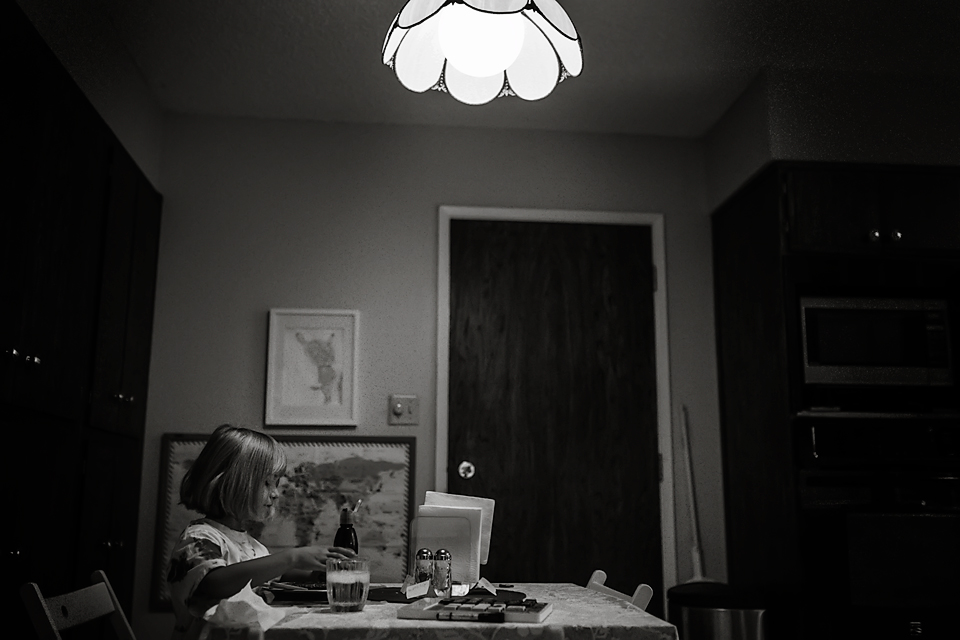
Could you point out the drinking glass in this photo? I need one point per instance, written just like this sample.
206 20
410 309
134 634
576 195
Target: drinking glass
348 583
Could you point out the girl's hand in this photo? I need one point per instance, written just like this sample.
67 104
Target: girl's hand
340 553
315 558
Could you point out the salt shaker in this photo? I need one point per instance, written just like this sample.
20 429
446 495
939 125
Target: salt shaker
423 569
442 566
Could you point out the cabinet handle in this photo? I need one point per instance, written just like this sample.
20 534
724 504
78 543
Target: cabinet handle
13 353
896 236
874 235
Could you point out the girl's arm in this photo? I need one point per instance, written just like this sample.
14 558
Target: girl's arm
224 582
301 575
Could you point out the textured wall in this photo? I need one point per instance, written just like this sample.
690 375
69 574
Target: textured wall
739 144
865 117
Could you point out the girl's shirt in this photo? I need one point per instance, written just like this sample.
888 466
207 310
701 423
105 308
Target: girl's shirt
204 545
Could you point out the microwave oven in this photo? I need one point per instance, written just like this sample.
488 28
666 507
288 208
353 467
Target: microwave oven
876 341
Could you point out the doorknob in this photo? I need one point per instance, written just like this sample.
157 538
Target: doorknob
466 470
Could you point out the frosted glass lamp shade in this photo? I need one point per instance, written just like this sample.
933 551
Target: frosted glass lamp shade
479 44
478 50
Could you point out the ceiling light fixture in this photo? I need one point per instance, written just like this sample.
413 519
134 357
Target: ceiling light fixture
478 50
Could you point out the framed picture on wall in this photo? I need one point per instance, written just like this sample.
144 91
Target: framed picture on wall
312 367
324 474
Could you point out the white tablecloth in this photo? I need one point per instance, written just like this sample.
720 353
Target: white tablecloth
578 614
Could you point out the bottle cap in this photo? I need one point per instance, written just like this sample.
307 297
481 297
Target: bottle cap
424 554
346 516
442 554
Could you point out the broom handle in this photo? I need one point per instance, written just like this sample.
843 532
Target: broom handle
695 552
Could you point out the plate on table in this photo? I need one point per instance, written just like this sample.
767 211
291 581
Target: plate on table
315 592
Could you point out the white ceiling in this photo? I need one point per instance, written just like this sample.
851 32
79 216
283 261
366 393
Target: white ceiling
655 67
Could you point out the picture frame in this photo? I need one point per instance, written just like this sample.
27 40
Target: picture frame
340 470
312 359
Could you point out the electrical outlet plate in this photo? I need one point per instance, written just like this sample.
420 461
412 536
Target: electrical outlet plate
403 409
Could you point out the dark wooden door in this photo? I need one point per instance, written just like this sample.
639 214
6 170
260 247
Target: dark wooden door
552 397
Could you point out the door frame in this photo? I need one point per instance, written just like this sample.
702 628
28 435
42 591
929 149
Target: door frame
662 347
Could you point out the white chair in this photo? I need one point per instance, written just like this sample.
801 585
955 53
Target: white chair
52 615
641 596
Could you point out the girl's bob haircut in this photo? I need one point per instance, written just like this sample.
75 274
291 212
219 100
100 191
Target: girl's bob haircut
228 476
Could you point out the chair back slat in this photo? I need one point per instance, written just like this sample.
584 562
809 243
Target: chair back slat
641 596
80 606
54 614
37 610
602 588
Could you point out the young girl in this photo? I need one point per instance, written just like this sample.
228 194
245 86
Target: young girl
233 481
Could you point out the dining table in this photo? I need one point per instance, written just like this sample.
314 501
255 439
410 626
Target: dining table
578 614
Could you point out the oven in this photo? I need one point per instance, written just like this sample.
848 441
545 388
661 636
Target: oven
880 523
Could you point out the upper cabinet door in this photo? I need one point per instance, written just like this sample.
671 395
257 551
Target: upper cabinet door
879 211
55 204
125 319
832 211
921 210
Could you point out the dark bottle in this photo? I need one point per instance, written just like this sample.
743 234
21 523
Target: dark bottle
346 535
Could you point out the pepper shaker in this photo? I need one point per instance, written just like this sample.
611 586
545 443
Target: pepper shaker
442 569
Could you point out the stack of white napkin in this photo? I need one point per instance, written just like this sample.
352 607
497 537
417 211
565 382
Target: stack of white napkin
244 610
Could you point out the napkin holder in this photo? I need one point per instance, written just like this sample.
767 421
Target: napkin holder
456 529
486 506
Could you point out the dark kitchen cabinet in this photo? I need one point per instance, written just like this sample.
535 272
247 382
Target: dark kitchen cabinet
79 237
920 210
752 358
827 211
125 320
53 218
805 229
108 527
871 210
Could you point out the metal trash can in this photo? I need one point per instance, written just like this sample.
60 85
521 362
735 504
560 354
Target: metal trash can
716 611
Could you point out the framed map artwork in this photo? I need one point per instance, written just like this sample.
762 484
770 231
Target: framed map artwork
312 367
323 475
